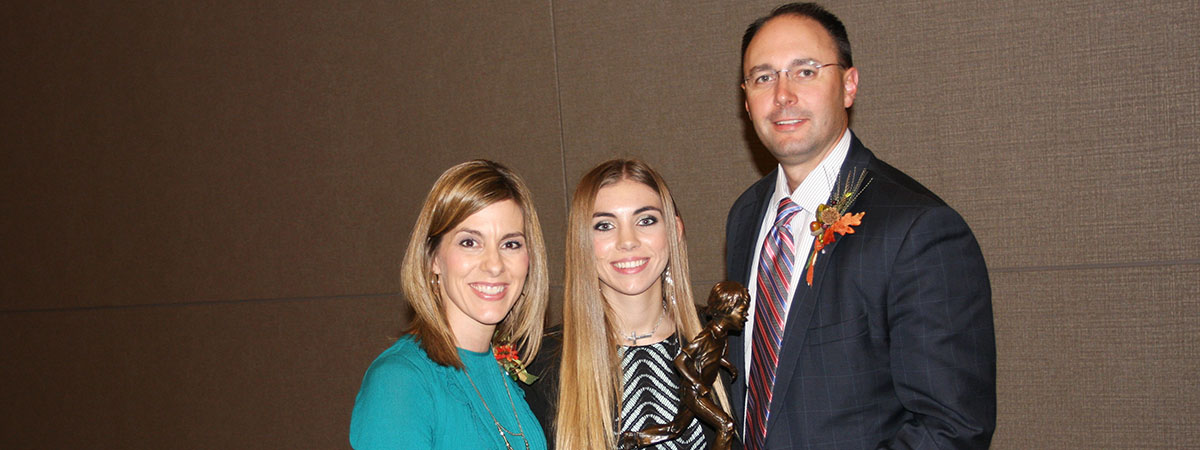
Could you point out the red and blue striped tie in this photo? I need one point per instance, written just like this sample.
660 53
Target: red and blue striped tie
775 266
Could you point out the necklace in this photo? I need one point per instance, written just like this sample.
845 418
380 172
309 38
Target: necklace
504 432
634 337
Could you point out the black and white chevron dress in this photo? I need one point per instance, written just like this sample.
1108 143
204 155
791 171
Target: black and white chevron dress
651 393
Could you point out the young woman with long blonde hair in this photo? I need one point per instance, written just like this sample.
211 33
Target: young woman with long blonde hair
627 311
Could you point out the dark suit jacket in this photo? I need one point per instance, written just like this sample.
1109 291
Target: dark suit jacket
542 395
893 345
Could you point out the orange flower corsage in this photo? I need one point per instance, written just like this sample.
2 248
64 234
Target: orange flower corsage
832 218
507 357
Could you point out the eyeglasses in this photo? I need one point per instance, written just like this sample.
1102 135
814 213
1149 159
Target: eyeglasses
800 72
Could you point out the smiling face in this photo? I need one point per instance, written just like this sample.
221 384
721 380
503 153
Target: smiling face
799 122
629 239
481 266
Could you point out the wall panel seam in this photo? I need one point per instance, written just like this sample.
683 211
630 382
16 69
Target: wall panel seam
562 140
197 303
1114 265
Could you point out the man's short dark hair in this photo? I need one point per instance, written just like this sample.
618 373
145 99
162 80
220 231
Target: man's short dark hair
812 11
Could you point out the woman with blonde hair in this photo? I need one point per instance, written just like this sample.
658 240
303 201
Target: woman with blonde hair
627 311
475 275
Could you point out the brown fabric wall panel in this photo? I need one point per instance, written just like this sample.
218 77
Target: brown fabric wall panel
478 85
1013 112
1098 358
217 151
198 152
1050 127
243 375
220 152
659 82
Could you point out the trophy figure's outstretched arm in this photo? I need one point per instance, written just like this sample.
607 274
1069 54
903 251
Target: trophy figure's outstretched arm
733 372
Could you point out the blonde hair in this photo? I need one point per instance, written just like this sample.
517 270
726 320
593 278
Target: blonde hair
459 192
590 375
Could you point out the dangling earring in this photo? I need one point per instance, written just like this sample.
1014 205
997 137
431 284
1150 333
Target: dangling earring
670 285
436 290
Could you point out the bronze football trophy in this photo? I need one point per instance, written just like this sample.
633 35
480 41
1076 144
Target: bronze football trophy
698 364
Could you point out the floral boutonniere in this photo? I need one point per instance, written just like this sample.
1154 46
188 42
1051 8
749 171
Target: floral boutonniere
507 356
833 218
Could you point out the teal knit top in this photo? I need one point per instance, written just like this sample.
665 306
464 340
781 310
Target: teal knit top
407 401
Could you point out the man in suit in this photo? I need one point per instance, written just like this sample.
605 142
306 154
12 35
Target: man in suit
889 342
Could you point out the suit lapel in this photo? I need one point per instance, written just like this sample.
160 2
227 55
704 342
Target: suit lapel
745 225
800 314
804 302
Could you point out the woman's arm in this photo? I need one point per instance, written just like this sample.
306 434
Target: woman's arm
395 408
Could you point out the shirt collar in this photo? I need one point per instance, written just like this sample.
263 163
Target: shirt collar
815 188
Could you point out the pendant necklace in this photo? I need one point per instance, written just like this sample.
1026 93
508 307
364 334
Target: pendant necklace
504 432
634 337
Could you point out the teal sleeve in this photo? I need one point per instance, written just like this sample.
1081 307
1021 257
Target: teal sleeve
394 408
